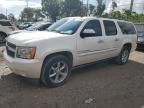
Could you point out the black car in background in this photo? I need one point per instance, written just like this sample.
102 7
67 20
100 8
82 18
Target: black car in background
140 41
24 25
39 26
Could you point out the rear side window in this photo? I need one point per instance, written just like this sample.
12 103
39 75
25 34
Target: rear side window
5 23
110 28
127 28
95 25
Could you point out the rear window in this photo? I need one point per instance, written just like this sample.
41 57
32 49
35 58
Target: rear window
5 23
127 28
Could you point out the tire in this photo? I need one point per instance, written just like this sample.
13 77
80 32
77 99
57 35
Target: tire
2 38
56 70
123 56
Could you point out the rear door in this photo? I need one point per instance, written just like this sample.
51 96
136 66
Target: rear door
112 38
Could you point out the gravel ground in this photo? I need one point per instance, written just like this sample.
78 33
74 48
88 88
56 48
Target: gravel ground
103 85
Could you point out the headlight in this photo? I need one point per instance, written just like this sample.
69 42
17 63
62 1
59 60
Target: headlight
26 52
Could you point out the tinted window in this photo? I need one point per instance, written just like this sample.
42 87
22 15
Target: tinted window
5 23
127 28
110 28
95 25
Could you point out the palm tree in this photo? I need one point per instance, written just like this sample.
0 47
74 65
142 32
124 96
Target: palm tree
114 5
100 8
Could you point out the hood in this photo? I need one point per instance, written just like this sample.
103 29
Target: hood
15 32
29 37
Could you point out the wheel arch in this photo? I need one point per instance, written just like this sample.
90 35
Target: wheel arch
3 32
129 45
67 54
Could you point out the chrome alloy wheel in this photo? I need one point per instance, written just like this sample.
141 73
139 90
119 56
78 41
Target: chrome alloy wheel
125 56
58 72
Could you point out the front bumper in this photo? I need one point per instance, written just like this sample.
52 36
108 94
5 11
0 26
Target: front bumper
23 67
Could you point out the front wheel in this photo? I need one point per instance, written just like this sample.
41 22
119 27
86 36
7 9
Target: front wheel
123 56
56 71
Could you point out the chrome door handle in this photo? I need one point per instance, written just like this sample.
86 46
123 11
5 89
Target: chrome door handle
100 41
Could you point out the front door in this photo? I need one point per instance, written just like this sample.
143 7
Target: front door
91 48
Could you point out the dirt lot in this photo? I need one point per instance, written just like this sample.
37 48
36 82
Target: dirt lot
103 85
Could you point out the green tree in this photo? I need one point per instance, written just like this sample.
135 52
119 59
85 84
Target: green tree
52 8
114 5
116 15
100 8
127 15
91 8
72 7
2 16
83 10
27 14
38 14
11 17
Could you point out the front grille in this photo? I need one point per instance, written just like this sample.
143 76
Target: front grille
11 45
11 49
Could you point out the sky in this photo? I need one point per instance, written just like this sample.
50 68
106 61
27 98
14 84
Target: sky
16 6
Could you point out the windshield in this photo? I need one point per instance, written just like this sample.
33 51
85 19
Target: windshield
140 34
34 27
65 26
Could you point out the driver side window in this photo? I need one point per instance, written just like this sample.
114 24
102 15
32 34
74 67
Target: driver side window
94 25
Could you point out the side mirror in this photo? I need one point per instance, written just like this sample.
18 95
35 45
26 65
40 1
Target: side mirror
88 33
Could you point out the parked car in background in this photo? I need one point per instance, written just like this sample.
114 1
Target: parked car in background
41 26
25 25
140 42
140 34
50 55
5 28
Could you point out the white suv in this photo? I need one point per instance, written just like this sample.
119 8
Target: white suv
50 55
5 28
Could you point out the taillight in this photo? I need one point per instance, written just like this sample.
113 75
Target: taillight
12 28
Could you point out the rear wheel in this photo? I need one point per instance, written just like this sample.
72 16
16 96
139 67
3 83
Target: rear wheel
56 71
123 56
2 38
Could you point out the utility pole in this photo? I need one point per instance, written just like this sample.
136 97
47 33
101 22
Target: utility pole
131 5
81 8
1 8
87 7
27 3
6 13
27 7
